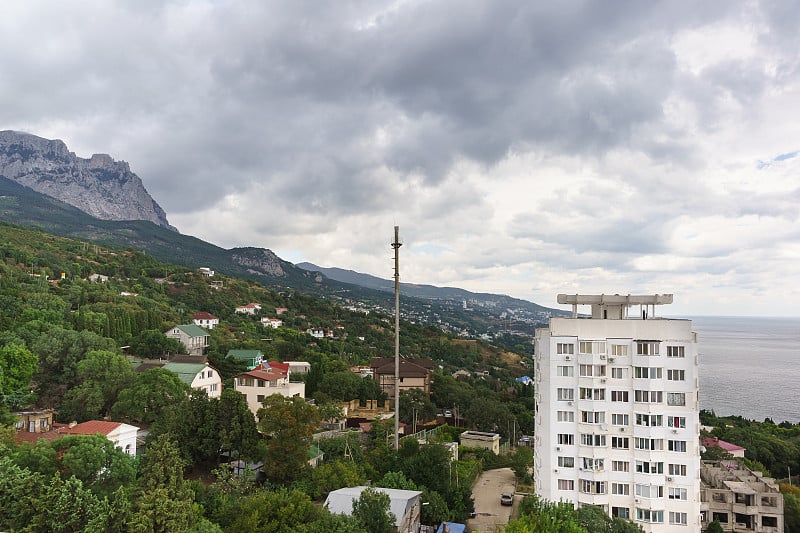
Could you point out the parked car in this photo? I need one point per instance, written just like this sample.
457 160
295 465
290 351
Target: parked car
506 499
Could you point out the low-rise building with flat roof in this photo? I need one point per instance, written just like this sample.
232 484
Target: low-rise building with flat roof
481 439
739 499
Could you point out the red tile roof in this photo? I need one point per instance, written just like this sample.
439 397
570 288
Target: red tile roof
263 373
202 315
283 367
92 427
708 442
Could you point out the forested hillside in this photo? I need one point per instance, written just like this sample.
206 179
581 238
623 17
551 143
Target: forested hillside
75 318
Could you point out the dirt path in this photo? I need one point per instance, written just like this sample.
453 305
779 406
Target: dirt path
490 516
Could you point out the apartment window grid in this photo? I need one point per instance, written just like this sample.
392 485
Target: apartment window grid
677 446
593 487
565 371
592 463
676 375
648 396
590 439
620 443
677 493
592 347
566 462
620 419
681 519
647 420
619 350
621 489
649 491
647 372
565 416
649 515
676 351
642 443
676 399
588 393
588 371
563 348
619 396
677 422
621 512
676 469
649 467
619 373
565 394
593 417
647 348
566 439
621 466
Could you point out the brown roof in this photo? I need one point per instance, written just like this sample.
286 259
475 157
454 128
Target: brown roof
408 368
202 315
423 362
32 438
92 427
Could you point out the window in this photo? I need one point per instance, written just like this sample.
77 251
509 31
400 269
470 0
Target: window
43 423
620 466
566 416
620 443
647 348
619 396
588 439
620 419
619 350
676 398
677 446
213 387
675 351
592 347
645 372
623 489
621 512
592 370
565 395
566 439
591 463
650 491
593 487
648 515
649 420
678 518
641 443
619 373
676 421
592 394
260 398
566 462
565 348
676 375
677 493
565 371
677 469
644 396
649 467
566 484
261 383
593 417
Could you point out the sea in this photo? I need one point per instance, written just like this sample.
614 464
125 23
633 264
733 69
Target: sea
749 366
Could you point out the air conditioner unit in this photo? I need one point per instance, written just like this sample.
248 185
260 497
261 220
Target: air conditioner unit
610 359
569 403
674 430
637 500
603 380
558 448
669 478
602 356
622 430
567 358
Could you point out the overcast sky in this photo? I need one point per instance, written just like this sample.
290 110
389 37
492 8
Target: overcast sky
524 148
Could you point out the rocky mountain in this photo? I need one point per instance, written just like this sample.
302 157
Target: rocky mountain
99 186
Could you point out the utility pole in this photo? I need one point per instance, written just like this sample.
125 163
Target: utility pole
396 245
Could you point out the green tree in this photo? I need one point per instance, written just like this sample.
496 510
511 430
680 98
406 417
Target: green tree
94 460
151 344
289 423
416 407
521 461
65 507
103 375
152 392
17 366
164 503
238 433
371 509
274 512
716 527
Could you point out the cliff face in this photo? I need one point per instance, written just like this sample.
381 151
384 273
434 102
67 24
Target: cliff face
99 186
258 261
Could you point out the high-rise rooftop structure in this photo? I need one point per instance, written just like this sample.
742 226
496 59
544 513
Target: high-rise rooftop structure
617 413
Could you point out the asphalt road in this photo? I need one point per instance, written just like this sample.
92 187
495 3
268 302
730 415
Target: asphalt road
490 516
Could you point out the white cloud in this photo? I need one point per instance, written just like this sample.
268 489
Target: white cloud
522 148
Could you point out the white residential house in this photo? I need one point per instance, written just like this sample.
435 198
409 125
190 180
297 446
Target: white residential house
207 272
617 415
317 333
200 376
205 320
122 435
281 310
193 337
249 309
272 322
405 505
263 381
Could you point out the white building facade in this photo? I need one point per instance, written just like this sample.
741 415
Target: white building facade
617 413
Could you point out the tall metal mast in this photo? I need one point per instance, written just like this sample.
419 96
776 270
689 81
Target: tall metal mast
396 245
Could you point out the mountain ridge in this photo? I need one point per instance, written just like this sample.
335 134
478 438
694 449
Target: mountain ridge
98 186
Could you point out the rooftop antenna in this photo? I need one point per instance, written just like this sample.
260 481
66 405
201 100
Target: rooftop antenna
396 245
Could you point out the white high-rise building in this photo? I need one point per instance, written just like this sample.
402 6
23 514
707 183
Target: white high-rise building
617 415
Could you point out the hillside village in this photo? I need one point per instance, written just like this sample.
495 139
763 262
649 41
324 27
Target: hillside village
230 401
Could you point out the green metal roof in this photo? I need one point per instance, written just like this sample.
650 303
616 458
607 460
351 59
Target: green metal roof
244 354
192 330
186 371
